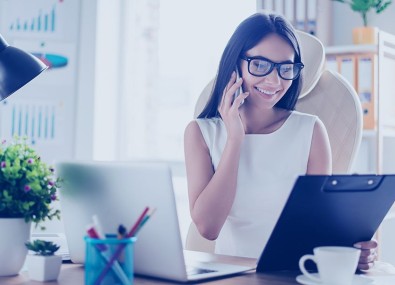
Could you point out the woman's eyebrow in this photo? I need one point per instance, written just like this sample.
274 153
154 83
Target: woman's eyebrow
265 58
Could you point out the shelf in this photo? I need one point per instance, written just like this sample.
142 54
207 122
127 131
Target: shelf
347 49
386 133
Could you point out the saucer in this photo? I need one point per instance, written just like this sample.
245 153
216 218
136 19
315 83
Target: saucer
357 280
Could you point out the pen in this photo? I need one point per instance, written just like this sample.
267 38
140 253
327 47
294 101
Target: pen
97 225
145 219
121 232
105 254
131 233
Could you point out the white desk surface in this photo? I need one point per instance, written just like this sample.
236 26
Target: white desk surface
74 274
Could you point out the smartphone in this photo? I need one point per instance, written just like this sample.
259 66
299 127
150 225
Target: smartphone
239 90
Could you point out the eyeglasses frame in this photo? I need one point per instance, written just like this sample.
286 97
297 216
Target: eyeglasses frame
276 65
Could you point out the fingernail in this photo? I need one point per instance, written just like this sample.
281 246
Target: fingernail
357 245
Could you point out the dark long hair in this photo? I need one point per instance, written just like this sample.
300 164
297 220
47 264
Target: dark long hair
247 35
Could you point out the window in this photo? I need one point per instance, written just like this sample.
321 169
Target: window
171 50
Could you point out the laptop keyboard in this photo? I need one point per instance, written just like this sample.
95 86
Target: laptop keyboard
195 270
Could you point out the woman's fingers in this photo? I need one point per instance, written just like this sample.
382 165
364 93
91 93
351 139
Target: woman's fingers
365 266
239 100
228 94
366 244
231 92
368 254
230 83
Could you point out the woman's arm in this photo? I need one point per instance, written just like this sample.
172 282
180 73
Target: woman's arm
320 158
211 194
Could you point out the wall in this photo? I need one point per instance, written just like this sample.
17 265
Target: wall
97 98
344 20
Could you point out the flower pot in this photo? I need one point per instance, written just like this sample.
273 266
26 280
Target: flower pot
365 35
14 233
43 268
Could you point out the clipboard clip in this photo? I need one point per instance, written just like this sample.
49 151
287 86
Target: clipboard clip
352 183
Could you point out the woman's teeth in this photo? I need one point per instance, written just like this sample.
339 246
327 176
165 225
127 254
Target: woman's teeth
266 92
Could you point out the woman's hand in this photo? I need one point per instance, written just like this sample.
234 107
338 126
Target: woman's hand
230 110
368 254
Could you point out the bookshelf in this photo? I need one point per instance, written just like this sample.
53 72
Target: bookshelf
370 69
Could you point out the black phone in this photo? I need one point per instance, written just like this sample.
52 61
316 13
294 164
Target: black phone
239 90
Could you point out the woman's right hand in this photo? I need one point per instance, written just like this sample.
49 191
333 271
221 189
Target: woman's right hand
230 111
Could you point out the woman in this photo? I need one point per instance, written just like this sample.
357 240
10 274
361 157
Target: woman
243 154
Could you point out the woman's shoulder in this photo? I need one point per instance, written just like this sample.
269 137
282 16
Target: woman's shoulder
304 117
298 120
209 122
307 116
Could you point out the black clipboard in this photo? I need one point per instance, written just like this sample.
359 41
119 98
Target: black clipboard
336 210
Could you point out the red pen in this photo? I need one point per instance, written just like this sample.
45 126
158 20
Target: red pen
92 233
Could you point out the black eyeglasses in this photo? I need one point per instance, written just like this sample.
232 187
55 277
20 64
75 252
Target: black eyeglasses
260 66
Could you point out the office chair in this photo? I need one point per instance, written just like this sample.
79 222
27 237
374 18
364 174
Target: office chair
325 94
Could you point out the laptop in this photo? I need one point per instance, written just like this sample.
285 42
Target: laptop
337 210
117 193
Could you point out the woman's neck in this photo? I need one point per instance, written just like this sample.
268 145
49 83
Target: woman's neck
262 121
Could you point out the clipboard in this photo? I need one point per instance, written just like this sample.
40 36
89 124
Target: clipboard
337 210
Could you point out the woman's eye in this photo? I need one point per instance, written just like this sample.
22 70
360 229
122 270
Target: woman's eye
286 69
261 65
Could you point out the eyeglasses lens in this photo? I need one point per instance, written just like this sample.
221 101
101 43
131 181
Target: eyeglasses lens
261 67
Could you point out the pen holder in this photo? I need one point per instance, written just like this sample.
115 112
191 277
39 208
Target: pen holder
100 253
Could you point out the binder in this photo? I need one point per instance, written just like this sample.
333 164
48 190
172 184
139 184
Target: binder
347 68
365 89
332 64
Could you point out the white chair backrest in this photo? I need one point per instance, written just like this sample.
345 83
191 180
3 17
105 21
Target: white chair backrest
325 94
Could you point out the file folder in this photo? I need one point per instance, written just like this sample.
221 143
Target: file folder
347 68
365 89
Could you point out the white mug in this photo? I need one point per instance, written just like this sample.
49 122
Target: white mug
336 265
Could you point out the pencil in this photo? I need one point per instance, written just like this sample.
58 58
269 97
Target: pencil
132 232
146 218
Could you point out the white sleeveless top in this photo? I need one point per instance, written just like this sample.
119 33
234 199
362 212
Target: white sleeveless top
269 165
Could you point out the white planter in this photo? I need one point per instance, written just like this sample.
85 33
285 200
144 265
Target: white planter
43 268
14 232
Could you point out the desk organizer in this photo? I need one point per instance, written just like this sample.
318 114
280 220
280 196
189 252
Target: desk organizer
100 253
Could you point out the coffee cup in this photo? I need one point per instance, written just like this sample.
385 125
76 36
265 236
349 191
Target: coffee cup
336 264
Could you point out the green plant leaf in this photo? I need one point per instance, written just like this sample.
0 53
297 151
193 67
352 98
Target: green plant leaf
363 6
27 184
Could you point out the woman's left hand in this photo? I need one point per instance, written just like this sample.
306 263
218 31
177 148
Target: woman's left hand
368 254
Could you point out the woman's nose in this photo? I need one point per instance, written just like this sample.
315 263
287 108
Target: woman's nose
273 77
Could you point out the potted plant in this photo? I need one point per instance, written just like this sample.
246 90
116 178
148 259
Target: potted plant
366 34
27 190
44 265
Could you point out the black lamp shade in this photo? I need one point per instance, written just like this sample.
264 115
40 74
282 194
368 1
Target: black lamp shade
16 68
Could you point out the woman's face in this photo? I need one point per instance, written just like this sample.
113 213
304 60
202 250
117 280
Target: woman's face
267 90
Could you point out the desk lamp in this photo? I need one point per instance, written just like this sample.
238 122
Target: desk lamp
16 68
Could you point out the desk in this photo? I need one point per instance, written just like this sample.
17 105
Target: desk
74 274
